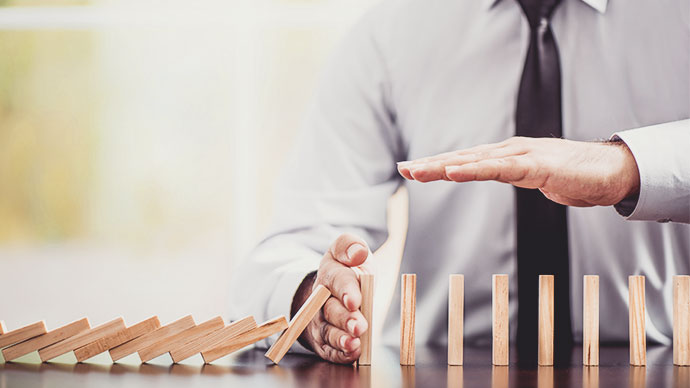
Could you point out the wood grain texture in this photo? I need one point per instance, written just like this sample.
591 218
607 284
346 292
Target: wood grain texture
266 330
366 282
54 336
545 350
22 334
180 339
213 339
145 340
299 322
636 312
408 305
81 339
500 318
590 320
456 300
681 320
116 339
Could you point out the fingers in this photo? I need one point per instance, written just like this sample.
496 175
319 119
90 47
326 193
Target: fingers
331 343
514 170
434 168
349 250
338 339
342 282
335 272
353 322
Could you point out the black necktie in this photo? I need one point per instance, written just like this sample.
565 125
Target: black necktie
542 233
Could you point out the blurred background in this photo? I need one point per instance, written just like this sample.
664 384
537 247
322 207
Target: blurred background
139 144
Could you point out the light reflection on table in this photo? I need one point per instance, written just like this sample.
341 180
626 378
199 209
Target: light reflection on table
250 368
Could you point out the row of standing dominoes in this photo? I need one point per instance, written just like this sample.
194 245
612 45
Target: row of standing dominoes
590 324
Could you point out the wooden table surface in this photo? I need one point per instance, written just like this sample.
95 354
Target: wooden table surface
250 368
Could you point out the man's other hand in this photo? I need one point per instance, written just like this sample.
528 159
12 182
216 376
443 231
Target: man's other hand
569 172
334 333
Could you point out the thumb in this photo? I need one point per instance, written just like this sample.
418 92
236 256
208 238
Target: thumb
349 250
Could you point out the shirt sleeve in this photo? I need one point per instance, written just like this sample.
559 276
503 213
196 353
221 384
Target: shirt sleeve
339 177
662 153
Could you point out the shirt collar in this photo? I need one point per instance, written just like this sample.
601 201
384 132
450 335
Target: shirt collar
599 5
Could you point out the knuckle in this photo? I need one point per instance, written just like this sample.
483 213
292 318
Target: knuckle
326 277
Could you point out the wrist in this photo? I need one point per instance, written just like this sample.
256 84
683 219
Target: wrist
628 175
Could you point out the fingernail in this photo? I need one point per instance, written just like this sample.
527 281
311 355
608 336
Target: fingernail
404 163
354 248
355 343
352 325
343 341
346 299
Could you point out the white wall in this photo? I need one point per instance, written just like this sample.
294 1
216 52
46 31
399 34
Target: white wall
198 105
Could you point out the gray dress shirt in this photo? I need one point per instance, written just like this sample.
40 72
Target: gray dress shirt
420 77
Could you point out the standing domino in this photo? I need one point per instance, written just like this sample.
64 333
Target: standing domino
590 321
408 302
545 355
636 311
681 320
366 282
500 318
456 296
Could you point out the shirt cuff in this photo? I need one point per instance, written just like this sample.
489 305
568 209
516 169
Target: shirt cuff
660 152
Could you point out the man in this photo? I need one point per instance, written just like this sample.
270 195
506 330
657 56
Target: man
457 78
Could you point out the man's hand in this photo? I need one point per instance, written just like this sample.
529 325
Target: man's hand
569 172
334 333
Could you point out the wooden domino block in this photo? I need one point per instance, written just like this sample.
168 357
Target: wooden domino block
145 340
22 334
54 336
456 300
81 339
299 322
175 341
2 327
266 329
213 339
115 339
366 282
681 320
408 302
545 354
590 321
500 317
636 311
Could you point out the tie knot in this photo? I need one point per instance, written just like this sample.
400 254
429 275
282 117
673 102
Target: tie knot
538 11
